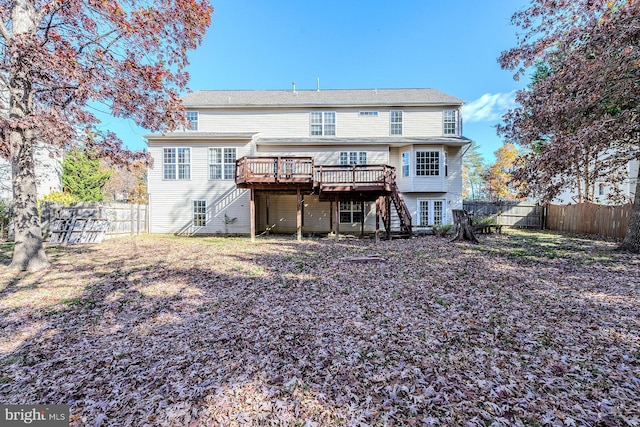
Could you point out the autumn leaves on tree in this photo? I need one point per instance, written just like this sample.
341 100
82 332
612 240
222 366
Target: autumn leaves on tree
59 57
578 120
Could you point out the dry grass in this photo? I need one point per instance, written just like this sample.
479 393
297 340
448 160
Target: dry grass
524 329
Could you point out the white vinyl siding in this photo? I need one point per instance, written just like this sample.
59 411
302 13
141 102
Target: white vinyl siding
222 163
395 126
323 123
291 123
176 163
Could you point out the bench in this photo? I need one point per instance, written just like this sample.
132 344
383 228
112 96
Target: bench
487 228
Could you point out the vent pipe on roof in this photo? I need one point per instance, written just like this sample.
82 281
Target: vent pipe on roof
318 85
294 86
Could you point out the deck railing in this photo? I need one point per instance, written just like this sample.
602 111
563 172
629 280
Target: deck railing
354 176
277 170
297 170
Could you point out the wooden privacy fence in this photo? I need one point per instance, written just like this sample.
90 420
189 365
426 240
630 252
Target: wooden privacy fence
509 214
589 218
90 222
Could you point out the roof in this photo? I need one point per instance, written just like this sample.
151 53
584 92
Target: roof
191 135
318 98
387 140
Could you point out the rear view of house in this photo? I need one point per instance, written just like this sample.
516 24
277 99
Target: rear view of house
309 161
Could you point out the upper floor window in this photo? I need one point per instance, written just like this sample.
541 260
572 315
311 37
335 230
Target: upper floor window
222 163
176 163
406 163
368 114
396 122
450 124
192 120
323 123
353 157
427 163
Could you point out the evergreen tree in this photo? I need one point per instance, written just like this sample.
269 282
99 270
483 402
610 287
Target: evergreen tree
83 176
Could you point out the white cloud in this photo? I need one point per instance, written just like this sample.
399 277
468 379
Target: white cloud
489 107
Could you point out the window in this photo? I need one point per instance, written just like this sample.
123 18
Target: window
446 164
406 158
601 189
192 120
396 122
199 213
222 163
176 163
368 114
353 157
430 212
450 122
427 163
323 123
350 212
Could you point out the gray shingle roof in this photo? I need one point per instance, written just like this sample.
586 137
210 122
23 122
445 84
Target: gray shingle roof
331 97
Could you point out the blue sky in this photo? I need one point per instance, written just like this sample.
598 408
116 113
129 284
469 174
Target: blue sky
348 44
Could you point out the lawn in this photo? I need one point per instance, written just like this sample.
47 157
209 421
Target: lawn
527 328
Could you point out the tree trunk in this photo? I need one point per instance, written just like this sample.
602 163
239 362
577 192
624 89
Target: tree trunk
28 253
631 241
463 228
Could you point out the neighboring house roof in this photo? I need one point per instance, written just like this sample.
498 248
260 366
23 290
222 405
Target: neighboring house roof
318 98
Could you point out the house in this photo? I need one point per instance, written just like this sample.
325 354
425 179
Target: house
308 161
603 191
48 170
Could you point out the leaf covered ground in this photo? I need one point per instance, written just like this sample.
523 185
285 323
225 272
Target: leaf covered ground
525 329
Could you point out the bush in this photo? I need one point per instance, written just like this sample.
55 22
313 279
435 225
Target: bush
441 230
6 215
63 197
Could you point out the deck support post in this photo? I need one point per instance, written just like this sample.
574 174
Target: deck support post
377 219
336 221
252 213
362 218
299 214
387 225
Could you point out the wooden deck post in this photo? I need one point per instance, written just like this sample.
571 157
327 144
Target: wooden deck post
378 219
252 213
362 218
299 215
336 221
387 225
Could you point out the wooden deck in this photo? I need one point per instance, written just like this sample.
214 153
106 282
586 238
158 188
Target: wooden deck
331 181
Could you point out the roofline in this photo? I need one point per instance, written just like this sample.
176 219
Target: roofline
327 105
194 135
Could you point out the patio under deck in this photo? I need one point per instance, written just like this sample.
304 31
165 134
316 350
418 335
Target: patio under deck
331 182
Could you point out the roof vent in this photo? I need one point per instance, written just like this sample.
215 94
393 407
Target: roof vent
294 86
318 84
